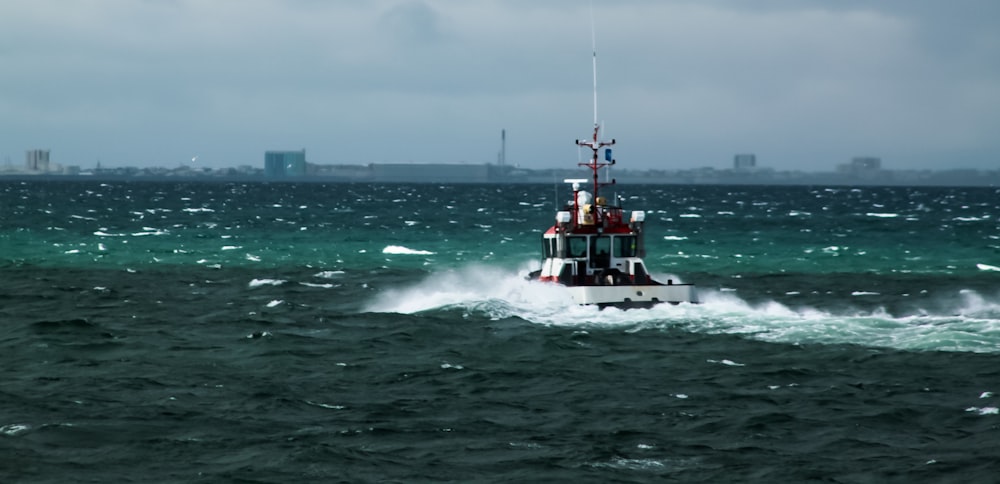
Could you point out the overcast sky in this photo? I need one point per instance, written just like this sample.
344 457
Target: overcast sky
803 84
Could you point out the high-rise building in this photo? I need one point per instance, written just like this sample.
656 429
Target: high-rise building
279 164
866 163
37 160
745 162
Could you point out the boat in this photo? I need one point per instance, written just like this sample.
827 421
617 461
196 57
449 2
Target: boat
596 248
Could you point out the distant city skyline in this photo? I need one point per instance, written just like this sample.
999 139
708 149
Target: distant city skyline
292 166
803 85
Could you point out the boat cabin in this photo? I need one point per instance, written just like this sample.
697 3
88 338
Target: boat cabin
596 247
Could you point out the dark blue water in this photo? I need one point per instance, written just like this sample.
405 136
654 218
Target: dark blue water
204 332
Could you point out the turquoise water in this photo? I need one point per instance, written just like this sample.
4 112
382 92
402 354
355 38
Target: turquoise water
276 332
718 230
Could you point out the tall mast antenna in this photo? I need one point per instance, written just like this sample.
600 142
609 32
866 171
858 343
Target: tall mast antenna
593 44
594 143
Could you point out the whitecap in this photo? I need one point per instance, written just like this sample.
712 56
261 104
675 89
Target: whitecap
14 429
984 410
328 274
882 215
674 237
984 267
864 293
400 250
195 210
266 282
321 286
689 215
231 247
632 464
274 303
252 258
326 405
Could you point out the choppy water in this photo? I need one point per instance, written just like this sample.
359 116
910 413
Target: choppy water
200 332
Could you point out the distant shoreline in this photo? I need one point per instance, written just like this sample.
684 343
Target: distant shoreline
932 179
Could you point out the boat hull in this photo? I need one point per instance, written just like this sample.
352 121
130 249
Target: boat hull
637 296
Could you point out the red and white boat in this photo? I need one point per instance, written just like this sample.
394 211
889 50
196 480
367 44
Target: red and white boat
595 248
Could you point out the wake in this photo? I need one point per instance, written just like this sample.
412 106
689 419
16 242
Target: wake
968 323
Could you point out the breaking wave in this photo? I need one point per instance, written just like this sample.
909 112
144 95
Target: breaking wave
969 323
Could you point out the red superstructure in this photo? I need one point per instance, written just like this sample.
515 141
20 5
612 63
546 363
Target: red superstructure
596 252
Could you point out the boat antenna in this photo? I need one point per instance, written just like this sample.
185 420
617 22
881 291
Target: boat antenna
594 144
593 45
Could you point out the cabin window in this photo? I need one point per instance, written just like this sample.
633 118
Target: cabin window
548 247
624 246
600 251
577 246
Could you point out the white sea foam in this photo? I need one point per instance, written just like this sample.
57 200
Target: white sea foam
493 290
984 410
149 232
328 274
984 267
968 323
274 303
398 249
326 405
14 429
320 286
266 282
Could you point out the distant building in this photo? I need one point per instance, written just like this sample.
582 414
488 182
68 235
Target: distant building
745 162
279 164
866 163
862 166
37 160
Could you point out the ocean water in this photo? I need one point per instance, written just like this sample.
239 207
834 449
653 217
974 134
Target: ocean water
214 332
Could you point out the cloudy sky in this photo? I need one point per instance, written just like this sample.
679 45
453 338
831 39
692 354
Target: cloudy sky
803 84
